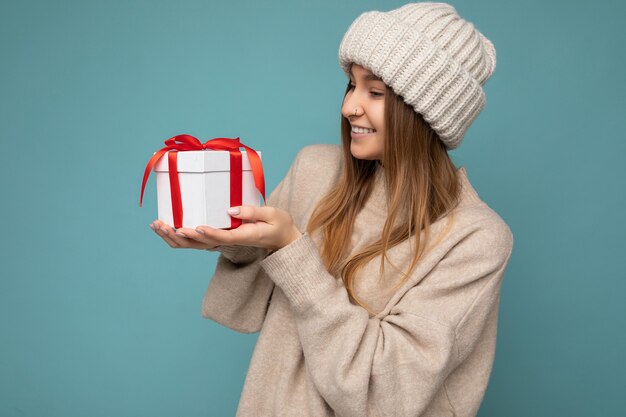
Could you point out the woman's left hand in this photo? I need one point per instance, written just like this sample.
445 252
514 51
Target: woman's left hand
265 227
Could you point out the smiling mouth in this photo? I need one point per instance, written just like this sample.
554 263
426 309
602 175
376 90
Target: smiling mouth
356 129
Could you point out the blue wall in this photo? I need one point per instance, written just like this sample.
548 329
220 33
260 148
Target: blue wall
98 317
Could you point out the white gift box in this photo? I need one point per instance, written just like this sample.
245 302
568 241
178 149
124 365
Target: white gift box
204 178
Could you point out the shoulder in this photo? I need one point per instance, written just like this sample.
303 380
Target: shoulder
320 156
478 229
317 166
312 174
475 217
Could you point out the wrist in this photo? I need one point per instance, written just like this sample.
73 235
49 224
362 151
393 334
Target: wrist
294 235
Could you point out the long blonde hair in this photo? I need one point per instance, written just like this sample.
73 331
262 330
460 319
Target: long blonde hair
422 183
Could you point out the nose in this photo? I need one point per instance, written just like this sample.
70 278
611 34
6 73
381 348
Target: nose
350 107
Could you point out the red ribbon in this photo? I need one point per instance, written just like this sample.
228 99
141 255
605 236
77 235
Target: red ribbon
189 143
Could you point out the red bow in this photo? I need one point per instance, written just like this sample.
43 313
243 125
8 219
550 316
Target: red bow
189 143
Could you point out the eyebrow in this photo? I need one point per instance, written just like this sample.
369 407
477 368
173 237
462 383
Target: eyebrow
368 77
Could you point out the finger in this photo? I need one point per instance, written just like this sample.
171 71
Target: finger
264 214
165 234
216 236
197 236
178 238
245 234
175 238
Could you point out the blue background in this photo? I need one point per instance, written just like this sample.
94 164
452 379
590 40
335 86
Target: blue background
98 317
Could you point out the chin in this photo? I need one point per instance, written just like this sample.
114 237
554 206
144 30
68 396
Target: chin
364 154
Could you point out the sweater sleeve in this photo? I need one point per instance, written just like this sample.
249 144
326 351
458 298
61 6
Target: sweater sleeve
239 291
393 364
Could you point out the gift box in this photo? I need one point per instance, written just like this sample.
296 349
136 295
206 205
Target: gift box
197 182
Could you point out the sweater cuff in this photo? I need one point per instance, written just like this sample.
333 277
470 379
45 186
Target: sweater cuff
300 272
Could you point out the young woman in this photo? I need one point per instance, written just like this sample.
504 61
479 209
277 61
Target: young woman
374 271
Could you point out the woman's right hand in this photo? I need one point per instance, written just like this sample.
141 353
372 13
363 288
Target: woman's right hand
176 239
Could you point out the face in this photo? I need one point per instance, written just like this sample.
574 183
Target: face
367 97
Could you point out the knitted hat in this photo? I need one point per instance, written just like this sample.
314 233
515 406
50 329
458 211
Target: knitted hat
430 56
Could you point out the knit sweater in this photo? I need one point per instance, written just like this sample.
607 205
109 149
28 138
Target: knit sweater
427 351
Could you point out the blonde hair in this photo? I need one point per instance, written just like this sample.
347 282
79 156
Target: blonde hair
422 183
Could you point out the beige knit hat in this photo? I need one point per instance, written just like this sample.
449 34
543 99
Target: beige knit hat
430 56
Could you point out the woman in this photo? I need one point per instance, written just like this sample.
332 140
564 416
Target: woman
374 271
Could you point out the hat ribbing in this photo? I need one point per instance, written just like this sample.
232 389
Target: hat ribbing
430 56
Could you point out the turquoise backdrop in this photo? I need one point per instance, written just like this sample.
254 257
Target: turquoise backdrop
98 317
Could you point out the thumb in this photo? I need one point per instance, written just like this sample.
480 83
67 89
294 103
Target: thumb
243 212
251 213
235 211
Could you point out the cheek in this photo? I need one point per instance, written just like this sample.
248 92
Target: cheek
378 117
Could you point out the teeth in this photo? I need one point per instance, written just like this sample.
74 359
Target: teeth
362 130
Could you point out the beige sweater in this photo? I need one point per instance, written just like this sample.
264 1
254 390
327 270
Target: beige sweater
428 351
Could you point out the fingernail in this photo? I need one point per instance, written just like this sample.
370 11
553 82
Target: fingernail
200 231
233 210
151 226
181 234
164 230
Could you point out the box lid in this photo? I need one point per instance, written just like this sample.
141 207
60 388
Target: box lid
203 161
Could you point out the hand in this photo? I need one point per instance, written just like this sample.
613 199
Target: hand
176 239
264 227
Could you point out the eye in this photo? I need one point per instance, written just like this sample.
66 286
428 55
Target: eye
377 94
